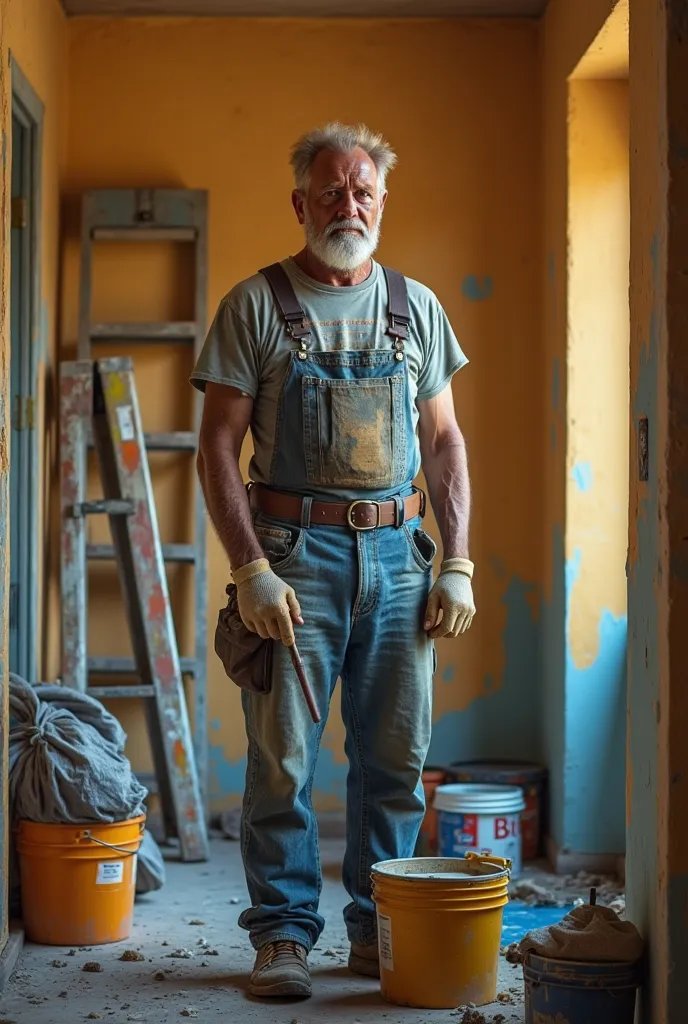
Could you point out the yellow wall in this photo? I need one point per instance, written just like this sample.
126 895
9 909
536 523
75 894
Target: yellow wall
586 325
35 33
598 339
215 104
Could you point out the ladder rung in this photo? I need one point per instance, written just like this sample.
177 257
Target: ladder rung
108 506
127 666
144 234
170 552
170 330
177 441
113 692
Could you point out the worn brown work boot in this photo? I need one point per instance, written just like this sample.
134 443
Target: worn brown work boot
281 969
365 960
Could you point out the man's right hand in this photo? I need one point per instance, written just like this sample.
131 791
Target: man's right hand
267 605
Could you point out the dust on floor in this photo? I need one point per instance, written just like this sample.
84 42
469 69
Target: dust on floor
188 959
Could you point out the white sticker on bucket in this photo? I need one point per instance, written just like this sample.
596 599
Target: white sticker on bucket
110 872
384 939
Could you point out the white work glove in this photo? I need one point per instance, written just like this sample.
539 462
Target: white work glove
267 605
452 595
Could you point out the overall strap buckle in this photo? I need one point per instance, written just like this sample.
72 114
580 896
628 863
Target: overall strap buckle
399 312
287 302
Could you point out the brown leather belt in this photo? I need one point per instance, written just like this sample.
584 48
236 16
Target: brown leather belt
358 515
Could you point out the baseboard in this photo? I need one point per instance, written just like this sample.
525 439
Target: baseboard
569 862
10 954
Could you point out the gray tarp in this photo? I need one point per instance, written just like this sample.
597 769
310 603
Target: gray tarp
67 766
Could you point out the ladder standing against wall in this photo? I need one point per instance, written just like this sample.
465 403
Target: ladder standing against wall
157 215
99 398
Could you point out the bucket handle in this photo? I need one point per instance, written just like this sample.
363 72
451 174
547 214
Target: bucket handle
483 858
86 834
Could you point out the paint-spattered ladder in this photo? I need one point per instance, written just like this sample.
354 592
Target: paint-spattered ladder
99 399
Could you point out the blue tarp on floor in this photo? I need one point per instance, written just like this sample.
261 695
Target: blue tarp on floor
519 918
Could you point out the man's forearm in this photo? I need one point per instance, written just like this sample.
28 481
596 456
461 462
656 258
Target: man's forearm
446 472
228 507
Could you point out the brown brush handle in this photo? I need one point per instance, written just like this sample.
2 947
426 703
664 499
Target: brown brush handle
303 680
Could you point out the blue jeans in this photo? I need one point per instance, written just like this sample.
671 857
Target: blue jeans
363 598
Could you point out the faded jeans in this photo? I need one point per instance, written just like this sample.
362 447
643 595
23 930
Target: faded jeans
363 598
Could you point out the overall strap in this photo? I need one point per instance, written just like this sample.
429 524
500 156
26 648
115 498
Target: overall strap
398 306
285 297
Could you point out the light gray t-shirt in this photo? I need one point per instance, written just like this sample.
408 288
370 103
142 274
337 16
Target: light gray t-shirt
248 348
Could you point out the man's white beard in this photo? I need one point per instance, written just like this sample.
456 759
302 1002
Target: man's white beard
342 250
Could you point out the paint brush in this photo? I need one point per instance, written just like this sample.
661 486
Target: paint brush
303 680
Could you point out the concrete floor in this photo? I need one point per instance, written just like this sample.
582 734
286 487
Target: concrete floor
50 987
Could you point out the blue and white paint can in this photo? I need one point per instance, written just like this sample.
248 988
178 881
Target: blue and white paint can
479 818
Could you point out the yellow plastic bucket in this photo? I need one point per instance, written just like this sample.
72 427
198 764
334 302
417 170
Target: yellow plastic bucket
78 881
439 929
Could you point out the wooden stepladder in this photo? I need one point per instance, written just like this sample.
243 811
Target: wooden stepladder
98 399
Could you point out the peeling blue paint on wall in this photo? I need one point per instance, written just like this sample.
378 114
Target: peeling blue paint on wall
475 288
595 736
505 720
582 476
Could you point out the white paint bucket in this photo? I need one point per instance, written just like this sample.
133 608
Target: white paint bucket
478 818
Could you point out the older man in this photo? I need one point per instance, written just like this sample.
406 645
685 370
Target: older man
341 368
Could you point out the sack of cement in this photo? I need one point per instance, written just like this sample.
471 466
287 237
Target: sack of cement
587 932
66 758
150 869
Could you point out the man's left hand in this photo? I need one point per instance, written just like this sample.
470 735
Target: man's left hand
450 607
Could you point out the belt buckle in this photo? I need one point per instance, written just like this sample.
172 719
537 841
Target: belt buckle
350 510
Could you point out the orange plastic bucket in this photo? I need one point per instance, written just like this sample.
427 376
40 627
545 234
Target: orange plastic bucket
78 881
439 929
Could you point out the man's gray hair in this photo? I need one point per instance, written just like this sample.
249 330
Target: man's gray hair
341 138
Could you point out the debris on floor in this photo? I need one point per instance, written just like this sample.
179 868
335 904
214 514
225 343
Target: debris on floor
471 1015
92 967
132 956
512 953
538 887
535 895
619 907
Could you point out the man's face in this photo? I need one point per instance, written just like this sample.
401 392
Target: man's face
342 210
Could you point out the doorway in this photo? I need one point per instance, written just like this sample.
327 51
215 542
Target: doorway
25 335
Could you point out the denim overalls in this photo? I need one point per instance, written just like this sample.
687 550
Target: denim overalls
345 419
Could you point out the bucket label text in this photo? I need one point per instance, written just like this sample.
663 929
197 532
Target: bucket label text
384 938
110 872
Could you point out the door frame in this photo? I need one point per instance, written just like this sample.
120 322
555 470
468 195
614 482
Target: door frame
29 110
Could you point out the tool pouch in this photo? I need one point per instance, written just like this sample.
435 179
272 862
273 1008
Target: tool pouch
246 657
